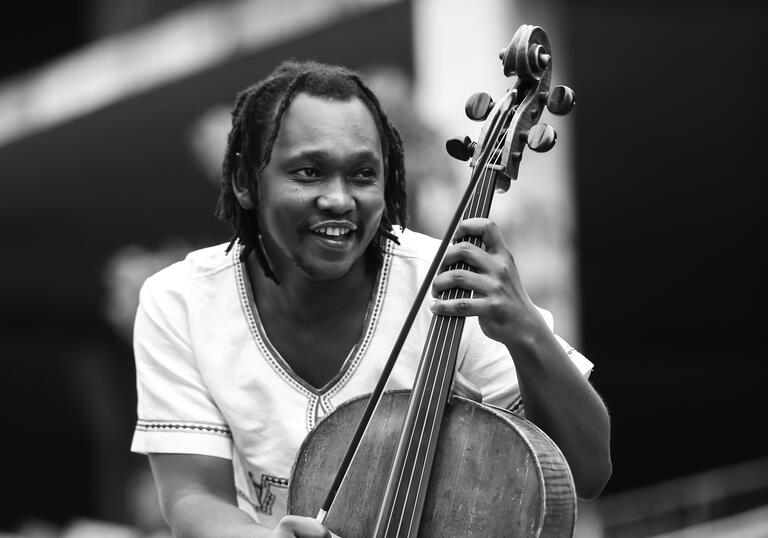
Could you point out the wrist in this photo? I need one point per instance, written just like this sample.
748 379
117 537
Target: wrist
529 335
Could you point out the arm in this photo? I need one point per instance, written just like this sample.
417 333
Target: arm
198 499
557 397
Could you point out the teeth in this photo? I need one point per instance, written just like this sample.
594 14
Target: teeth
332 231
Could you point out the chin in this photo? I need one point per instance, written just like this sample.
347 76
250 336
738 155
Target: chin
328 271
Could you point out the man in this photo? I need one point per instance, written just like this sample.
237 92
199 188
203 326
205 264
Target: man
240 351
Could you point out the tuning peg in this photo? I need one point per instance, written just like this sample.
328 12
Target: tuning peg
460 148
561 100
541 137
478 106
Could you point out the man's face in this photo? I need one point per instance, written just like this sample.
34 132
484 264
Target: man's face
322 193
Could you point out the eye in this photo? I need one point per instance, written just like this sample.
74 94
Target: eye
365 175
306 173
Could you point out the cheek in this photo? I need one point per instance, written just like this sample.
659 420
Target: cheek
374 205
285 204
281 215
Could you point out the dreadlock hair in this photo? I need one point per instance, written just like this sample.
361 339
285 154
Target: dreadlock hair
256 119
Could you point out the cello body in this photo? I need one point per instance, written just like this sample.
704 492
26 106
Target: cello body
494 473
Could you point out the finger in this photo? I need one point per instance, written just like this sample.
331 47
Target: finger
485 229
301 527
468 253
461 255
463 279
459 307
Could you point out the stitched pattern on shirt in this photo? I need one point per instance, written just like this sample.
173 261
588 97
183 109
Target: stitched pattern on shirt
312 413
261 491
375 311
253 326
326 406
185 427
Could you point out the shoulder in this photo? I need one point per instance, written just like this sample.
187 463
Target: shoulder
414 245
175 280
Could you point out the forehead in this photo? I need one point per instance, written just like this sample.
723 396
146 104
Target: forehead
318 123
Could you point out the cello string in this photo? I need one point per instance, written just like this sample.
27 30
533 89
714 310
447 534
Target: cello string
416 448
496 124
441 329
434 337
439 334
410 460
481 208
479 203
437 398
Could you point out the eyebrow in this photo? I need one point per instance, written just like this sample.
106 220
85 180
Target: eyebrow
322 156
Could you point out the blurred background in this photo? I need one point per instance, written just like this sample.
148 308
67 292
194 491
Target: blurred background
640 230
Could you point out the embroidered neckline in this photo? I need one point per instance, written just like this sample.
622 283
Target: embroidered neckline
319 397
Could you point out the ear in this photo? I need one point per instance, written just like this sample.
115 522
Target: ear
240 188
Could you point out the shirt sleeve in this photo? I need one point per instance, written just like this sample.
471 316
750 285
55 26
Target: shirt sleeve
487 369
176 413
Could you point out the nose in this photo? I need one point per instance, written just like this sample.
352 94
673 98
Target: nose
336 197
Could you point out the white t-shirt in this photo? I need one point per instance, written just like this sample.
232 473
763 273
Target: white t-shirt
210 383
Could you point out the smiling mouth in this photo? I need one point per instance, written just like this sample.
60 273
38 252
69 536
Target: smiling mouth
334 233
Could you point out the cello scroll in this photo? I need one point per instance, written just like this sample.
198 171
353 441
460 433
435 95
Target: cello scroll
528 60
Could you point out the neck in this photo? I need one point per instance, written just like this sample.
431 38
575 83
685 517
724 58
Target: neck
302 299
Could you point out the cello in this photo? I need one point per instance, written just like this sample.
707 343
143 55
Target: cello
455 467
